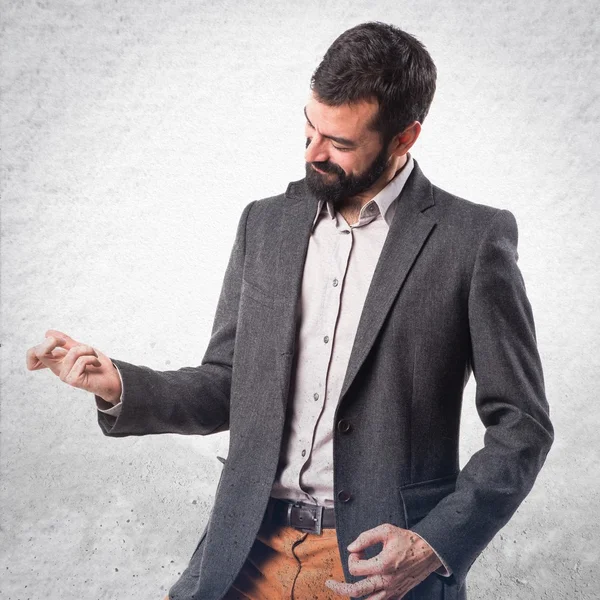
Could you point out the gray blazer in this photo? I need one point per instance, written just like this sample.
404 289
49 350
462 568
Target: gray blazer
446 298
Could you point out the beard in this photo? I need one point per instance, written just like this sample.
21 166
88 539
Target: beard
340 187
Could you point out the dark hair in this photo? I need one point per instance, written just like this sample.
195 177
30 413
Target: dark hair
378 61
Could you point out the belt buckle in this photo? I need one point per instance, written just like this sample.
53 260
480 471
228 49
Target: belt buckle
315 513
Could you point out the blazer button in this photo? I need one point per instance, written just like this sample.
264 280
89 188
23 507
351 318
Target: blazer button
344 496
344 426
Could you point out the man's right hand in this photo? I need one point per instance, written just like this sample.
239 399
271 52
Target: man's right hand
77 364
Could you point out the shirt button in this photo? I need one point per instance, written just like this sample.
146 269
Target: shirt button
326 339
316 396
344 496
335 282
344 426
303 452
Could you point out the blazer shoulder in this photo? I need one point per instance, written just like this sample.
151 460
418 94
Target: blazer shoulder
268 205
263 217
453 206
266 212
464 218
270 202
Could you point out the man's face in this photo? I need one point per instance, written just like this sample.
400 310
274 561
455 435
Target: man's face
344 157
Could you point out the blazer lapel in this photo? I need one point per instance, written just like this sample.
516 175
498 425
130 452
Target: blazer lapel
408 232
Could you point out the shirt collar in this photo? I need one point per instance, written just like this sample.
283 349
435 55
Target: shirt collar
384 199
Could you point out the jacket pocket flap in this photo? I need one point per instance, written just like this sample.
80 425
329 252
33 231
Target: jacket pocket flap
420 498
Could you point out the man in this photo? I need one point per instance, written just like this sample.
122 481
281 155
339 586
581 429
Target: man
353 309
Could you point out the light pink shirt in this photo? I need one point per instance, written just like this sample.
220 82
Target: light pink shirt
340 263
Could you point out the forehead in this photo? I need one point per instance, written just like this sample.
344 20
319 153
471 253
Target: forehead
347 120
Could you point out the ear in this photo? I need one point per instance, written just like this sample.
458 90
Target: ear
404 141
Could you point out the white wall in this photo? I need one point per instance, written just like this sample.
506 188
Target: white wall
133 134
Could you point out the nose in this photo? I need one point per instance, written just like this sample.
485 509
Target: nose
316 150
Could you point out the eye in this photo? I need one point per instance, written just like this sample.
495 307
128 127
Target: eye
341 149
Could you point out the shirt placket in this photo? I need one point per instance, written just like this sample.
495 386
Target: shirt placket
339 248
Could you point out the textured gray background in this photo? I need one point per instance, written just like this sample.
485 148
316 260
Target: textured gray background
133 134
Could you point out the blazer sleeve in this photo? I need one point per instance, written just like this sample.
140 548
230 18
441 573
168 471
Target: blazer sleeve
190 400
511 404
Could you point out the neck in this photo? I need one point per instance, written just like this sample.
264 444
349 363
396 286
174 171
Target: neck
397 163
351 208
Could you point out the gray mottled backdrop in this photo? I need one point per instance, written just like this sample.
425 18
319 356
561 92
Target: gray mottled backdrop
133 134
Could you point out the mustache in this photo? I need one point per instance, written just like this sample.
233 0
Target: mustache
329 167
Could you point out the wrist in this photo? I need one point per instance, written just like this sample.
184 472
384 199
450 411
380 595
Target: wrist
432 557
112 394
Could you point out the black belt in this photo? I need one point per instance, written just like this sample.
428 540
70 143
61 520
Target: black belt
305 517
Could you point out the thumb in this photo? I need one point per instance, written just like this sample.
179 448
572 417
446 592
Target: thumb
69 341
368 538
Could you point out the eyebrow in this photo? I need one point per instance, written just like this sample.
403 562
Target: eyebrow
339 140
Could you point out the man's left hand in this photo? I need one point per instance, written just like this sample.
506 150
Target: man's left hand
404 561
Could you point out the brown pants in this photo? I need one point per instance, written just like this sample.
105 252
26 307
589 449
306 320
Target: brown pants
287 564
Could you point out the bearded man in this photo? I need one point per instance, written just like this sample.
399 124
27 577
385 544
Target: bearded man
353 310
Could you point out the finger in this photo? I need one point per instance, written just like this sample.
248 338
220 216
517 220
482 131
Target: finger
42 353
69 341
343 589
336 587
356 556
75 375
381 595
372 566
72 356
370 537
32 361
49 344
359 588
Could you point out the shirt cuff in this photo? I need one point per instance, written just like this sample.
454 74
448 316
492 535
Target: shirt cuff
444 570
114 410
